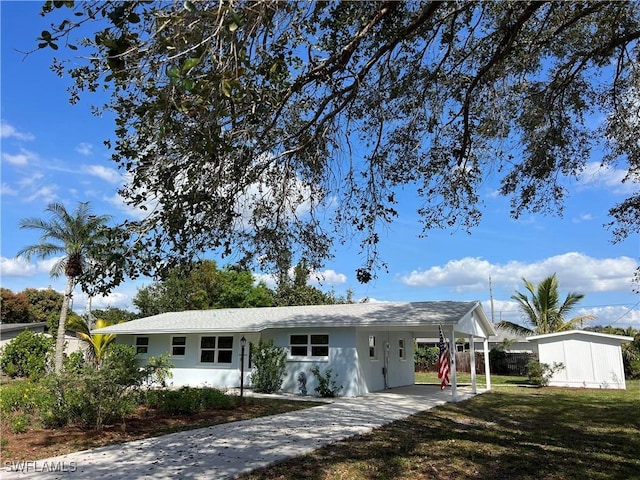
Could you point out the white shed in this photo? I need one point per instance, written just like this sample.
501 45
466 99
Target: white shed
590 359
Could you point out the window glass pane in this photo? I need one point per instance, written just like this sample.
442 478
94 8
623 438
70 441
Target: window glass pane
320 351
142 341
320 339
299 339
372 341
207 356
141 350
208 342
224 356
178 351
225 342
179 340
298 351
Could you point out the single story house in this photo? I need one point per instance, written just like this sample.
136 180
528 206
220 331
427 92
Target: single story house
369 346
590 359
9 331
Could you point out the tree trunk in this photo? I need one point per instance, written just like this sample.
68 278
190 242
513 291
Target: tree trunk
57 366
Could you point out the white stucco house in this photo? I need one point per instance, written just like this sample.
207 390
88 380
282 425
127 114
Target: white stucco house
368 345
590 359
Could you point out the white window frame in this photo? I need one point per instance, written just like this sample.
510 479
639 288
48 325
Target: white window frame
173 346
309 346
402 349
373 348
139 346
216 349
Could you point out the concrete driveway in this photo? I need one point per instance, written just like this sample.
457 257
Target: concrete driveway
228 450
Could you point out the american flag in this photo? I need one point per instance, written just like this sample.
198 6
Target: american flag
443 363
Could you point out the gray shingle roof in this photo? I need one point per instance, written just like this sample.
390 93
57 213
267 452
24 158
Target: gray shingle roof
416 314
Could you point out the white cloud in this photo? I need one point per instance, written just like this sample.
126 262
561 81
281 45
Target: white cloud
9 131
328 277
615 315
108 174
84 149
605 176
576 271
584 217
19 159
47 194
7 190
20 267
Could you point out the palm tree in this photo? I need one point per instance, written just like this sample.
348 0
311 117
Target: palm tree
97 344
71 235
543 310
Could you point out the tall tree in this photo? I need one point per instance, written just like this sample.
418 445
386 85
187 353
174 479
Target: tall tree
71 235
543 311
14 307
261 127
202 286
297 291
43 303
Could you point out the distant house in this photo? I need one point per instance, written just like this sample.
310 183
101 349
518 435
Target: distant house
368 345
591 360
9 331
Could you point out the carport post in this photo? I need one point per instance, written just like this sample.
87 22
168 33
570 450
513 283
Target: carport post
454 379
487 373
472 364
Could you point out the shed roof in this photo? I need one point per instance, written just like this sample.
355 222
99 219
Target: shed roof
593 335
417 315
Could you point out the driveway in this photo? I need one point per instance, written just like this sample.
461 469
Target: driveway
228 450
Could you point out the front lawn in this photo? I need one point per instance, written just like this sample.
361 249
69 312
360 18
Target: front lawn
508 433
465 379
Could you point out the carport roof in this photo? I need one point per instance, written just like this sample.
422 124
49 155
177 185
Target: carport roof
418 315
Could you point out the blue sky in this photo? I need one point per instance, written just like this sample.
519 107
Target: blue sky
53 151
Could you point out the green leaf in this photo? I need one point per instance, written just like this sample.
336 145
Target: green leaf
133 18
173 72
190 6
43 45
72 47
233 26
53 45
188 84
45 35
189 64
226 88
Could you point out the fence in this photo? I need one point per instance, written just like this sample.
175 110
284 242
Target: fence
501 363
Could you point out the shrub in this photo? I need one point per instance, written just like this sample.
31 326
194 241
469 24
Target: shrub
96 397
268 366
540 373
327 387
185 401
74 362
426 357
188 400
26 355
212 398
20 423
23 396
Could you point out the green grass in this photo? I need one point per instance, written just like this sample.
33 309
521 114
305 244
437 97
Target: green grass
465 379
508 433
